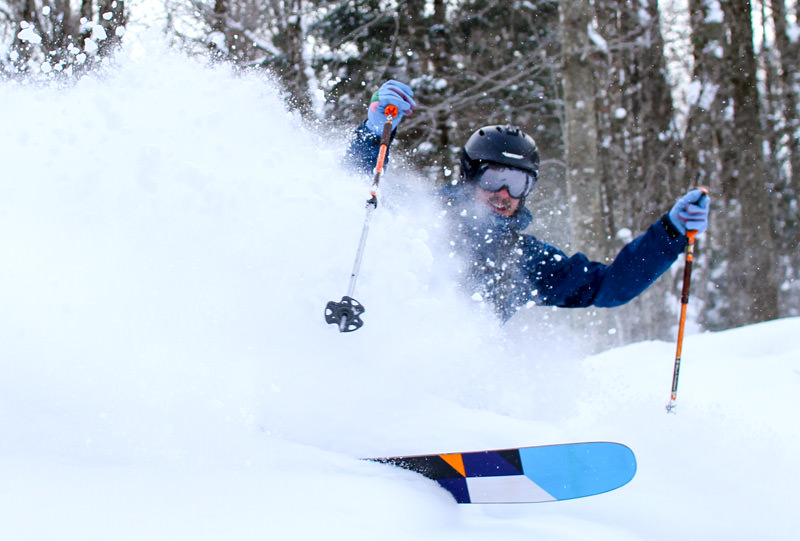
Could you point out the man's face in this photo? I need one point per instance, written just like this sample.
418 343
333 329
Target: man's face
500 202
502 188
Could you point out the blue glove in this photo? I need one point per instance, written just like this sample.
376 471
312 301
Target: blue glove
391 93
691 212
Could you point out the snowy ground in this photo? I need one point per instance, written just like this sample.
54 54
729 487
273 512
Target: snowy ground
171 236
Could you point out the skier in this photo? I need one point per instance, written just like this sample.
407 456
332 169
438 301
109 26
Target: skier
506 267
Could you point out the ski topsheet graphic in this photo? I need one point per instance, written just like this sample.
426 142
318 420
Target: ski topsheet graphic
526 474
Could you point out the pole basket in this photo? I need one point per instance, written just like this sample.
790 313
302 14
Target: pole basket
345 313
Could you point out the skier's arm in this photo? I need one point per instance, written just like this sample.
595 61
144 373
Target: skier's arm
577 282
640 263
574 282
362 153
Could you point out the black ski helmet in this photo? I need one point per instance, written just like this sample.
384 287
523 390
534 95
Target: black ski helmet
504 145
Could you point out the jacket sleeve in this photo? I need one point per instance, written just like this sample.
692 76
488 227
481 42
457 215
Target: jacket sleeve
576 281
362 153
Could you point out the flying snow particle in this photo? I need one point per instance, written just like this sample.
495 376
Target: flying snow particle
28 35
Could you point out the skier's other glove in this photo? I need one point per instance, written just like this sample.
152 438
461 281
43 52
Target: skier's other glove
390 93
690 212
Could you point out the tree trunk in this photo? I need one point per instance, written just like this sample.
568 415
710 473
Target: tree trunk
587 220
580 131
785 113
639 153
752 250
293 73
724 145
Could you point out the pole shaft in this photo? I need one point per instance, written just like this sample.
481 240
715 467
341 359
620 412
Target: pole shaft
372 202
687 279
351 289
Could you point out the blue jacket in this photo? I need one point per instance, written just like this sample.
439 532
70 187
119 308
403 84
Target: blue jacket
511 269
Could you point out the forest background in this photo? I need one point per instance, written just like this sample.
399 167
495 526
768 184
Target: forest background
631 103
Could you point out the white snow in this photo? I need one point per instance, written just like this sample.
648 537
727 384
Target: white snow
171 236
701 94
29 35
714 12
596 38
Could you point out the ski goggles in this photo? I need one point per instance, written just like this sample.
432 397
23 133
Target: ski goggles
494 178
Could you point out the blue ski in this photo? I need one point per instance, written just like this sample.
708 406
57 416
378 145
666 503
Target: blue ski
527 474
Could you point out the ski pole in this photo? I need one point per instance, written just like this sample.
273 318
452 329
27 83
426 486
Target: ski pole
687 278
347 312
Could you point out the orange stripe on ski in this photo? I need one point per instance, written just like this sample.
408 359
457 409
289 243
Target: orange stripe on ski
456 462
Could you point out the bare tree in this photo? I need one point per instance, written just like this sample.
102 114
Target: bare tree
724 150
782 119
639 147
256 34
588 223
471 62
587 219
752 251
50 37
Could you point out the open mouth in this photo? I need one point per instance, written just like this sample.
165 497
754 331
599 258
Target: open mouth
500 205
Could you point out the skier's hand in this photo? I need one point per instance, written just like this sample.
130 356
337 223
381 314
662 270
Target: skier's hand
690 212
391 93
